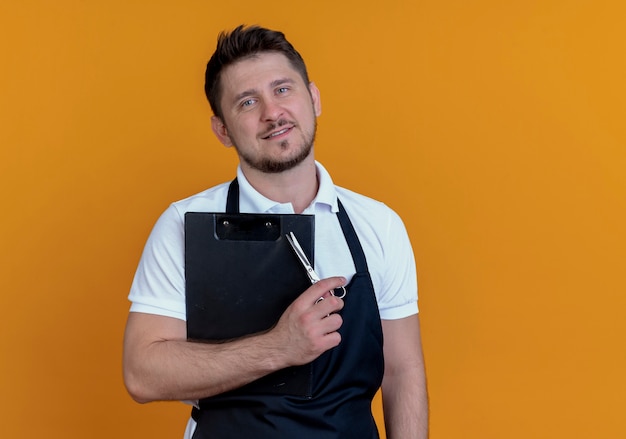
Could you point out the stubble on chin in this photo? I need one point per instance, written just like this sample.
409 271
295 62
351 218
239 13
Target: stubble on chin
269 165
273 166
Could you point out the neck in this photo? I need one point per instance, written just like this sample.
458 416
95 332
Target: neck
297 186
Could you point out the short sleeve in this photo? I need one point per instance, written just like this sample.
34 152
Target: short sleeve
397 297
159 283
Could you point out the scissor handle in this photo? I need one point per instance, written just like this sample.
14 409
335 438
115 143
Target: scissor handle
340 295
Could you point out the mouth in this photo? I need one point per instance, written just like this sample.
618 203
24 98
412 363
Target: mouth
278 133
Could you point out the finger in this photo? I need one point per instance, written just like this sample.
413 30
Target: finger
331 340
331 323
324 327
323 296
321 288
329 305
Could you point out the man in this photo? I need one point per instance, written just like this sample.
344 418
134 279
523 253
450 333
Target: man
265 106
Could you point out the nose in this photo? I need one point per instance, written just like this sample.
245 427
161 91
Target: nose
272 111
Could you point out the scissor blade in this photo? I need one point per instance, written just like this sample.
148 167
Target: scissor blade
298 249
295 245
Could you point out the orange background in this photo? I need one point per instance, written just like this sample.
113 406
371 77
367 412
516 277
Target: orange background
495 128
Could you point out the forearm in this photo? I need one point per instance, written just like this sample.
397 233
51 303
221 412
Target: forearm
405 398
177 369
182 370
405 405
161 364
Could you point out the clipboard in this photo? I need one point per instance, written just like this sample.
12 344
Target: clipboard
241 275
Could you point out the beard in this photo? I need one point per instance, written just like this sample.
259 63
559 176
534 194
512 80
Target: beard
269 165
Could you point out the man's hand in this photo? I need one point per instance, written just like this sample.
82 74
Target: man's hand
308 327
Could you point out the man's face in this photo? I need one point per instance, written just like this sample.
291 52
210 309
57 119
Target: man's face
269 113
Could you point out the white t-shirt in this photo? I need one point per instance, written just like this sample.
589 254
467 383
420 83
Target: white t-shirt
159 283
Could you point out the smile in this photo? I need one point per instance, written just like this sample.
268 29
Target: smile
278 133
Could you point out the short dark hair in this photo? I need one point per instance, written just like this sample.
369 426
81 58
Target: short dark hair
245 42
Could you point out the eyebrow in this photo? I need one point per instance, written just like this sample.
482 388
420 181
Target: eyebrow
253 91
244 94
281 81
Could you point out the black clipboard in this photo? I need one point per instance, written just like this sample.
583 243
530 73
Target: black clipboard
241 275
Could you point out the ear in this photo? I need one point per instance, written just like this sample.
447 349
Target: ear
315 96
220 131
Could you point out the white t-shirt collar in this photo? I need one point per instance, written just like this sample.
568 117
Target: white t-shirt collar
251 201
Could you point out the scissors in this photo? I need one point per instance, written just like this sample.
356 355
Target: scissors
313 276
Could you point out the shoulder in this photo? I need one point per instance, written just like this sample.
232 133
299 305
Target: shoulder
380 228
365 210
209 200
172 219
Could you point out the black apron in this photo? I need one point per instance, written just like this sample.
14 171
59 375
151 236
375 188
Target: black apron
343 380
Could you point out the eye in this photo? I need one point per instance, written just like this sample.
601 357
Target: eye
247 102
282 90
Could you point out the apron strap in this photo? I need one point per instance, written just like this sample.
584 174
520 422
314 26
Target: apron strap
232 202
358 256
